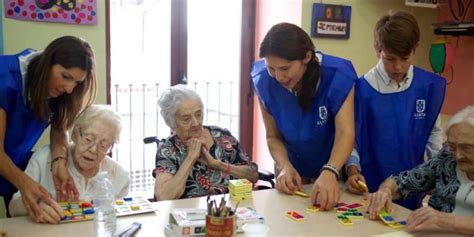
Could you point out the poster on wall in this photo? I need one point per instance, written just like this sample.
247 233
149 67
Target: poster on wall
331 21
78 12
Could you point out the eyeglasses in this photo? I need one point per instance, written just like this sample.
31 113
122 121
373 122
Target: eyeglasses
466 149
90 140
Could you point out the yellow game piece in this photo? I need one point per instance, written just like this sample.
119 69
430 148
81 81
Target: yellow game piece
135 207
301 194
313 208
119 202
363 186
345 221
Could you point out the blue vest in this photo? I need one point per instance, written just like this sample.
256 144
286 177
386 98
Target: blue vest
308 136
392 130
23 129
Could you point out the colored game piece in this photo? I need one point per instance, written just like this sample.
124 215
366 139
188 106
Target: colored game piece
76 211
345 209
128 199
354 205
363 186
135 207
354 215
295 216
345 221
385 217
313 208
340 204
119 202
398 224
301 194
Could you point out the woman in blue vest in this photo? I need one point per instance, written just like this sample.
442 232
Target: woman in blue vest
38 89
306 100
397 109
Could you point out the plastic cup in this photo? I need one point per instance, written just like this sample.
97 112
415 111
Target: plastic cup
255 230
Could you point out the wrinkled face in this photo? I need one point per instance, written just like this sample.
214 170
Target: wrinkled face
396 66
64 80
189 117
91 145
287 73
461 144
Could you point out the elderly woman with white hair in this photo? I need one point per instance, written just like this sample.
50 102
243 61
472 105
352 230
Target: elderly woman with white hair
94 133
449 177
196 160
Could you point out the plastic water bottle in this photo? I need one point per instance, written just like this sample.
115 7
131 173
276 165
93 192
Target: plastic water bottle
104 207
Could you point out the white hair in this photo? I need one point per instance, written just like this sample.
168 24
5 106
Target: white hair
100 113
465 115
171 99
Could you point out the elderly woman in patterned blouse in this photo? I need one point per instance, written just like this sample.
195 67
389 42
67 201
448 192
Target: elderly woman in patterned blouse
196 160
450 176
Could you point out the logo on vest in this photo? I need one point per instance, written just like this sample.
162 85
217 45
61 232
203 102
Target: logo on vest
420 109
323 115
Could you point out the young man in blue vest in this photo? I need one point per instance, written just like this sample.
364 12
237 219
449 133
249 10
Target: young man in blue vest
397 109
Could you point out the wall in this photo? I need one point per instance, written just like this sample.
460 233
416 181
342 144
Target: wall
358 48
269 13
1 29
459 92
19 35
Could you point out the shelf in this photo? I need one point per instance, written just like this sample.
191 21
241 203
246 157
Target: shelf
427 4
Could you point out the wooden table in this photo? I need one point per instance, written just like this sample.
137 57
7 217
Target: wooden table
270 203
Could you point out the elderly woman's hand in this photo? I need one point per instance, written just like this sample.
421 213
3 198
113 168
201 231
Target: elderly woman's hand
207 159
194 148
427 219
378 200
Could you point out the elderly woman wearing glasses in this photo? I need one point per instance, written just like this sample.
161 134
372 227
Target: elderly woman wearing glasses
196 160
449 177
95 132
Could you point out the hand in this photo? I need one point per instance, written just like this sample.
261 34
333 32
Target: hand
289 181
32 194
194 148
207 159
50 214
352 185
427 219
63 183
325 191
378 200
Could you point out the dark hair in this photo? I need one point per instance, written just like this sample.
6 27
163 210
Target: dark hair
290 42
69 52
397 32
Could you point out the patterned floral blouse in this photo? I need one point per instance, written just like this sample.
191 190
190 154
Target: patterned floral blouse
437 175
203 180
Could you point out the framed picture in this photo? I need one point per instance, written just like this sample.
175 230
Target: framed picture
78 12
331 21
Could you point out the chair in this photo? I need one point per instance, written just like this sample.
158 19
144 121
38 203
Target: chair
263 175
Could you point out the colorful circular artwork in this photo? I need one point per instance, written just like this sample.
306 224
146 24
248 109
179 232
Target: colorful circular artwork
82 12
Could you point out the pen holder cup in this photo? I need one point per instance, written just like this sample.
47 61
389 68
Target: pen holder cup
220 226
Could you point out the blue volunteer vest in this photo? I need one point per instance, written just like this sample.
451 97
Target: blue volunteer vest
393 129
308 136
23 129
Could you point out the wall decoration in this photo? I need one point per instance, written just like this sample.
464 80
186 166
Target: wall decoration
79 12
331 21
